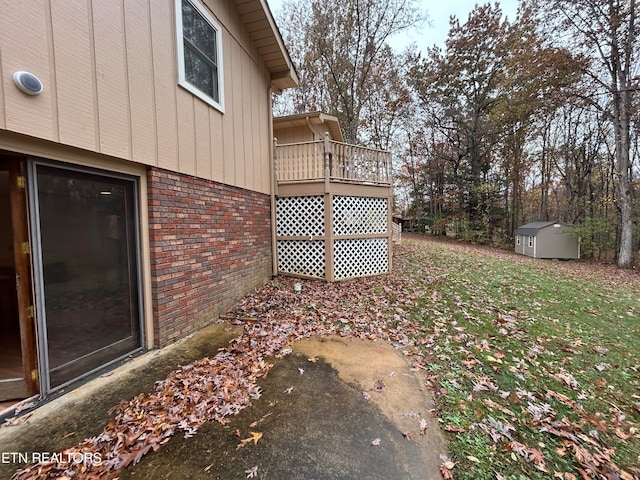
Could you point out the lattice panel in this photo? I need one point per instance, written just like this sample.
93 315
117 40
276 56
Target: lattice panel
359 215
300 216
360 257
302 257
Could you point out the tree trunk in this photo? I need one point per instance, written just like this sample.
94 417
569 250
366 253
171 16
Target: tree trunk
622 102
621 83
545 168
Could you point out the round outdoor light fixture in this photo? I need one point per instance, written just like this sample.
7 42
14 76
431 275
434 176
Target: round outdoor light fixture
28 83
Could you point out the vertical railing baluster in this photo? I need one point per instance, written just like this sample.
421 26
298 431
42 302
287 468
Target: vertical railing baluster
308 163
329 159
276 173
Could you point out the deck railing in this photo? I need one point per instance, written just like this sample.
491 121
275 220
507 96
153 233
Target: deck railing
309 161
396 233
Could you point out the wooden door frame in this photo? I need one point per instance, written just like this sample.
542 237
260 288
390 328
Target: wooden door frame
17 166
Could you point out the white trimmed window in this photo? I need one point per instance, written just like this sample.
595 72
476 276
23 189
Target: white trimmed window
199 39
517 239
530 242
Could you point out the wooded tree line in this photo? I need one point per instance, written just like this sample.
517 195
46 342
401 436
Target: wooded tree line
514 120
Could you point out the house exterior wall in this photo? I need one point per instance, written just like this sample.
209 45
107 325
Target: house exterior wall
111 102
319 131
110 86
300 133
209 243
293 134
111 99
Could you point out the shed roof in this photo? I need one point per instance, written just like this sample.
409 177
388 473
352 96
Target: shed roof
533 228
264 32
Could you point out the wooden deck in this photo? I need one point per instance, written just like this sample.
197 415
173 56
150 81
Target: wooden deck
332 210
327 160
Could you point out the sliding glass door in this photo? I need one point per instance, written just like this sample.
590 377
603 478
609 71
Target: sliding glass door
88 281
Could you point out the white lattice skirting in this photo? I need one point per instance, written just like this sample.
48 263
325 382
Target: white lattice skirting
359 215
302 257
300 216
304 216
360 257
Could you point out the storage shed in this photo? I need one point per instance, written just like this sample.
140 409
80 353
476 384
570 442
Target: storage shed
547 240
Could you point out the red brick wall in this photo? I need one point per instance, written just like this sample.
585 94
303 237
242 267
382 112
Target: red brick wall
210 245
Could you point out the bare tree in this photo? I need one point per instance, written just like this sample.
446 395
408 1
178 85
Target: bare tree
606 31
340 49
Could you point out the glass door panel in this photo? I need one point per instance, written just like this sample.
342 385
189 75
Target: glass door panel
89 270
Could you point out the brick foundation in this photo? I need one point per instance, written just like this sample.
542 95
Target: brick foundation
210 244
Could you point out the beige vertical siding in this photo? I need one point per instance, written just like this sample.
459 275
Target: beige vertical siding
111 79
74 81
186 134
25 46
293 134
238 112
260 129
140 76
248 105
217 142
110 86
228 133
300 133
164 83
203 129
319 130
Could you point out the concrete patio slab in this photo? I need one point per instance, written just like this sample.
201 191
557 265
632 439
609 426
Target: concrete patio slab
335 408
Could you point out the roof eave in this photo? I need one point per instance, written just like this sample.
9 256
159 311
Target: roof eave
257 17
284 80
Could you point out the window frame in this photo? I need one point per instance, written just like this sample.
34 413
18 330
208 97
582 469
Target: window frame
182 77
530 241
517 239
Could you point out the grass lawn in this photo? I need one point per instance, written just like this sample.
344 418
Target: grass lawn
534 364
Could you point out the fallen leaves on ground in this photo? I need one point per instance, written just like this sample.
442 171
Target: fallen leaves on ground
446 467
252 472
375 308
525 390
217 388
255 436
423 426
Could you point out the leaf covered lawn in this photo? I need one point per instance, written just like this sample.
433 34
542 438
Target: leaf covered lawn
534 365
